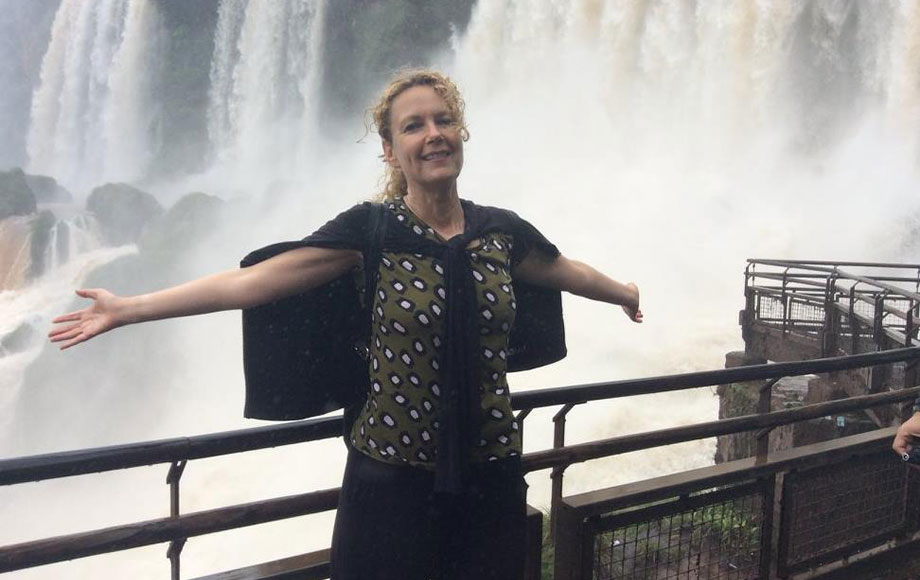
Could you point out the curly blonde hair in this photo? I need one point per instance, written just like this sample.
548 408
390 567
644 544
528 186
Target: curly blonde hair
394 182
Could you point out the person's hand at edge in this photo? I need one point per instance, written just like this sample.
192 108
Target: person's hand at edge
632 310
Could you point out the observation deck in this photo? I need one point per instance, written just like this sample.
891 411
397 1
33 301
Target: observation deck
842 506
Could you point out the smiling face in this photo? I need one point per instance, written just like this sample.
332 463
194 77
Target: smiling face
426 142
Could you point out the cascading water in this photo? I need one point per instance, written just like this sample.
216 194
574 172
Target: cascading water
661 141
93 115
264 78
14 258
680 139
70 238
71 249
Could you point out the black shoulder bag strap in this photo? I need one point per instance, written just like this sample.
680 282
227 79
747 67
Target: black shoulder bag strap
376 232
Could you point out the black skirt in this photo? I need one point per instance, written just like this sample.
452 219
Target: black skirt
390 525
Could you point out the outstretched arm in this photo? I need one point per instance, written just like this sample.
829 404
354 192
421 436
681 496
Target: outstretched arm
579 279
289 273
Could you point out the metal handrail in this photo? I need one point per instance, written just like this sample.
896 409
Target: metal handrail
797 263
818 266
100 459
178 528
638 441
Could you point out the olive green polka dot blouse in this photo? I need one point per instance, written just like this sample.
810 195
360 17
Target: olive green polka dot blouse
399 421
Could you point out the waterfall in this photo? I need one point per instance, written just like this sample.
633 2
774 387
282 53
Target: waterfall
661 141
14 252
722 67
94 113
264 78
69 239
66 238
129 120
72 249
666 142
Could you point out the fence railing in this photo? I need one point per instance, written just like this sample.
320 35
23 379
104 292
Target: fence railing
849 307
719 522
795 511
175 453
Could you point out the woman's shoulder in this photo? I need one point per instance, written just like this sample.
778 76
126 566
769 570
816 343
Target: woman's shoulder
491 216
524 235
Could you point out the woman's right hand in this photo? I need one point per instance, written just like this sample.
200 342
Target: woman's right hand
101 316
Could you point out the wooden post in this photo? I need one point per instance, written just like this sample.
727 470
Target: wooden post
767 535
569 545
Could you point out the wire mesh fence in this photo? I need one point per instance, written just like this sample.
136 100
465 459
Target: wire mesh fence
770 308
832 508
713 535
867 307
806 315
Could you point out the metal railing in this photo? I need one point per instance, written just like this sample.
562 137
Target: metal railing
177 452
849 307
798 512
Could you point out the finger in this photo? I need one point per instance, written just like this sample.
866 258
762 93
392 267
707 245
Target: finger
68 335
77 340
61 330
69 317
91 293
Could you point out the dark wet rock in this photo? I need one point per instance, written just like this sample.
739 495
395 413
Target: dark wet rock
40 227
47 189
123 211
176 234
193 216
16 198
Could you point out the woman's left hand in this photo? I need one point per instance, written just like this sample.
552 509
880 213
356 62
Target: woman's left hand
632 309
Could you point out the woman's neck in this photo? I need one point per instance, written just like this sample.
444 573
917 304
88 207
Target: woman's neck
440 209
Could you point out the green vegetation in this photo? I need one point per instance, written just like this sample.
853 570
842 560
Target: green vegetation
704 539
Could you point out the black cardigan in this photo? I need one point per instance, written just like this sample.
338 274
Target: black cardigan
299 353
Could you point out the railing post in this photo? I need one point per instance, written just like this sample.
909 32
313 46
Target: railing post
569 546
764 406
909 325
878 319
785 299
174 552
558 472
767 533
831 319
854 323
520 421
748 315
